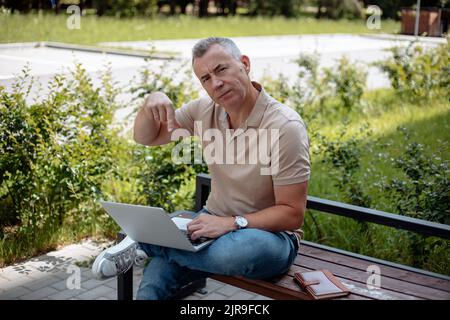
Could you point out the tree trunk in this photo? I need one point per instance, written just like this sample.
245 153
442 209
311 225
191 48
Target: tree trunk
319 9
202 8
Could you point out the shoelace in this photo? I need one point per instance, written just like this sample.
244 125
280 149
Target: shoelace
124 261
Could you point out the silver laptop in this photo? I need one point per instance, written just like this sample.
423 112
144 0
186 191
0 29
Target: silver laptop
153 225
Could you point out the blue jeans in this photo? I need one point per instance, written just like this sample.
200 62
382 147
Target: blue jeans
252 253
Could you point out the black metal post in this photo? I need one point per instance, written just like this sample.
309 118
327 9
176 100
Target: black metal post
124 280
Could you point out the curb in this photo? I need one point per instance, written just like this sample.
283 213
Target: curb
85 48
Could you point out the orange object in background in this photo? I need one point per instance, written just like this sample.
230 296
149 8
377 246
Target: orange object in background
433 22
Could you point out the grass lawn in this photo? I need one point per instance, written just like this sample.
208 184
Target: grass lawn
49 27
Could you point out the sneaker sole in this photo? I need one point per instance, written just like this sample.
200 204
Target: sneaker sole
96 266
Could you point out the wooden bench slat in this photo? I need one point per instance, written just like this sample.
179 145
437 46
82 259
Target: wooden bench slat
405 275
361 276
284 288
263 287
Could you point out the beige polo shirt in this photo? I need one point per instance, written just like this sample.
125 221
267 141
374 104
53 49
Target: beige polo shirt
239 183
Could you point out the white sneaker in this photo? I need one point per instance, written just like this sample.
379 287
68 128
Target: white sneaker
118 259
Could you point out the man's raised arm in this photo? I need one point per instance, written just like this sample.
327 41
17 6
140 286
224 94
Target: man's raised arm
155 120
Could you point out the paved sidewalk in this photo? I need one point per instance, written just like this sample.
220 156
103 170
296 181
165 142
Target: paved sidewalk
65 274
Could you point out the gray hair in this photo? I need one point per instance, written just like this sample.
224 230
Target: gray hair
203 45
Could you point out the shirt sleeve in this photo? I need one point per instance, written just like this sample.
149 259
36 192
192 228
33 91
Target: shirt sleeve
293 155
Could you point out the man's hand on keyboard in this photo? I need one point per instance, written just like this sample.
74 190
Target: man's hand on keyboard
209 226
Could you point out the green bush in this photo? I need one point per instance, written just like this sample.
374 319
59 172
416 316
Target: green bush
418 73
422 191
316 88
309 89
347 82
55 156
419 189
343 156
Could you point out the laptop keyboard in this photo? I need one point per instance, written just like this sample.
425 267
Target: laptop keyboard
195 242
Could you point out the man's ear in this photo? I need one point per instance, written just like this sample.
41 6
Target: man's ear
246 63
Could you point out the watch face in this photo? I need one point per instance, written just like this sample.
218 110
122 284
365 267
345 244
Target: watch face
241 222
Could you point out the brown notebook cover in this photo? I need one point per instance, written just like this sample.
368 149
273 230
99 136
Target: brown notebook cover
321 284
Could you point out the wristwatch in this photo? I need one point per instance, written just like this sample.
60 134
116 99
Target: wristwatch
240 222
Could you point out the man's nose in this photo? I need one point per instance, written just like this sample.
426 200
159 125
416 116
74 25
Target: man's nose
217 83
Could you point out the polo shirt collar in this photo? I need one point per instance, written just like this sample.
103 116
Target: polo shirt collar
255 117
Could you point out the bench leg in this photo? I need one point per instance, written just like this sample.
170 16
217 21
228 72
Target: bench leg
125 282
125 285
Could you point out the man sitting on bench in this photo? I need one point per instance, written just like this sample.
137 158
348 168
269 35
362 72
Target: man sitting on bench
257 151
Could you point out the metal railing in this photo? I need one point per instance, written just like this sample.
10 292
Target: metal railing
203 186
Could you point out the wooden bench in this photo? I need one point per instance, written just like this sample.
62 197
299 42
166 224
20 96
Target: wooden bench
397 281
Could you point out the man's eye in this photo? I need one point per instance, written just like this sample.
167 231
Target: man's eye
205 79
222 69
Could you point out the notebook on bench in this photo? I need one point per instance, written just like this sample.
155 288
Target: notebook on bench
321 284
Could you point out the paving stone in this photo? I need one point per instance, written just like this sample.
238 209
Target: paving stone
87 273
212 285
14 293
3 278
260 297
41 283
21 280
136 284
66 294
241 295
135 290
191 297
111 283
39 294
51 273
214 296
60 285
92 283
227 290
73 256
47 264
16 272
5 284
62 275
94 293
112 295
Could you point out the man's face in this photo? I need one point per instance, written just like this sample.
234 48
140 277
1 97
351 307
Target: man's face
224 78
